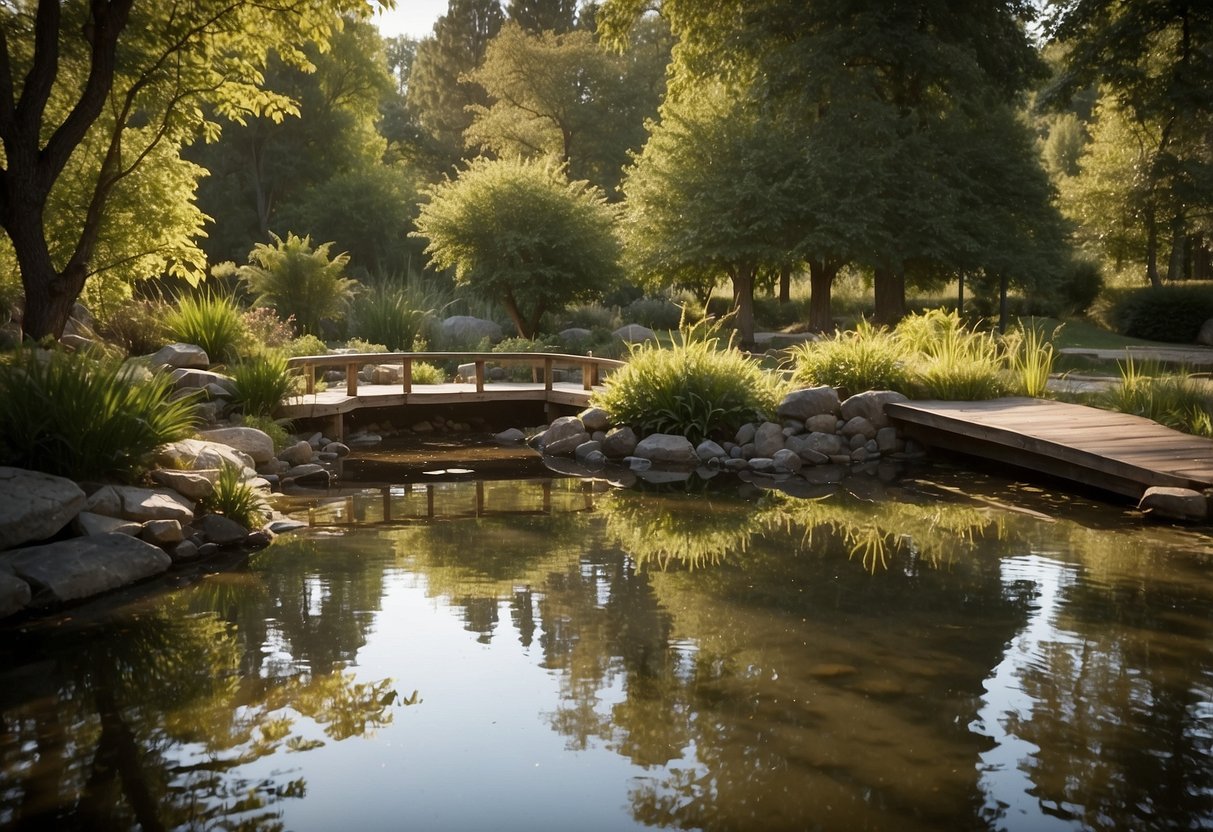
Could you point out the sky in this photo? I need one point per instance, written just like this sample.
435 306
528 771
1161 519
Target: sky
414 18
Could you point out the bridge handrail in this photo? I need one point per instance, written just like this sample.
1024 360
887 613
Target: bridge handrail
591 366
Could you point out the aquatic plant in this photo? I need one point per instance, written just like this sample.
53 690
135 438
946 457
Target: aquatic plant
71 416
236 499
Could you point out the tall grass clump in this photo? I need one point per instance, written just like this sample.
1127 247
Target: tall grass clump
73 417
866 358
950 360
213 322
1030 357
262 381
1176 400
698 387
236 499
396 315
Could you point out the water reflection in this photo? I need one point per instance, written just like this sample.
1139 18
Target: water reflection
877 658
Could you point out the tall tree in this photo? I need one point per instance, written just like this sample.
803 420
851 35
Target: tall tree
62 64
539 16
438 90
520 233
1154 62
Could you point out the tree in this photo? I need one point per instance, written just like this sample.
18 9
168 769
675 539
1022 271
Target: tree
520 233
562 95
716 191
438 91
148 66
1152 60
539 16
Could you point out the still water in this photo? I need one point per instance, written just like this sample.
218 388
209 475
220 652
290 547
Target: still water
560 654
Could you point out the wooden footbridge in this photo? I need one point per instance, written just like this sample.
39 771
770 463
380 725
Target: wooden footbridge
1111 451
334 404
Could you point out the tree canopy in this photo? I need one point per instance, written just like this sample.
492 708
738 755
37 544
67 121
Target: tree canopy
520 233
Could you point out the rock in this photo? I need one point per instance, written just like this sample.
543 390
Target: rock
859 426
633 333
34 505
887 440
176 355
583 451
14 594
745 433
85 566
1174 503
859 455
870 405
87 523
143 504
207 549
465 329
363 439
667 449
594 418
768 439
737 464
786 460
183 551
317 441
573 335
338 448
822 423
619 442
256 443
76 343
162 533
708 450
510 437
184 378
762 465
809 402
829 444
1205 336
199 455
285 525
220 530
310 474
273 468
193 485
564 435
298 454
637 464
595 459
422 427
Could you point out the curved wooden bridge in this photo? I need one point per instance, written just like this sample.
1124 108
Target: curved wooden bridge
334 404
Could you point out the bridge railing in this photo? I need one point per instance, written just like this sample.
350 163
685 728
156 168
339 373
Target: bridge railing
592 368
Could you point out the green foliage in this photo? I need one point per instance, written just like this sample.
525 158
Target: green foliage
262 381
392 314
1176 400
656 313
70 416
138 327
697 388
951 361
236 499
521 234
212 321
298 280
590 316
426 373
1080 285
1172 313
1030 356
276 430
525 345
866 358
305 345
360 345
266 330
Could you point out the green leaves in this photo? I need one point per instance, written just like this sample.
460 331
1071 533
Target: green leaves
298 280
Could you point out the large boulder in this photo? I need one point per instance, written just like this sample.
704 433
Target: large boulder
828 444
802 405
84 566
15 594
564 435
300 453
140 504
193 485
185 378
1205 336
768 439
34 505
619 442
594 418
667 449
633 333
252 441
199 455
465 329
870 406
88 523
1174 503
190 356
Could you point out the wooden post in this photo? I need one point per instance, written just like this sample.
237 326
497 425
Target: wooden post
309 378
407 374
336 427
479 375
351 379
547 373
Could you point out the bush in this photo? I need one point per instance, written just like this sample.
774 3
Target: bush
392 315
1172 313
655 313
266 329
305 345
298 280
425 373
866 358
590 316
262 382
1176 400
948 360
137 327
236 499
359 345
70 416
696 388
1080 286
211 321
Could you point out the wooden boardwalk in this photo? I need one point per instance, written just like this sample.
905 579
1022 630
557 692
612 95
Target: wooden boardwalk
330 403
1112 451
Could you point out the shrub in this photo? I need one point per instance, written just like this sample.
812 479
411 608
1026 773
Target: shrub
211 321
298 280
655 313
1080 285
866 358
137 327
262 382
1030 356
236 499
425 373
266 329
73 417
305 345
948 359
392 315
1166 313
359 345
1173 399
590 316
695 388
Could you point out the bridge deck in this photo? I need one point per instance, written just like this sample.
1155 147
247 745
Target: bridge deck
1112 451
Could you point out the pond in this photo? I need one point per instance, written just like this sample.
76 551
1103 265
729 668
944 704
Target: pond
943 651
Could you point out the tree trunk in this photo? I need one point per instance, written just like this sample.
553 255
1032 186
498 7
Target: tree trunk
1152 251
890 291
821 283
960 295
785 283
1175 264
511 308
49 294
743 298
